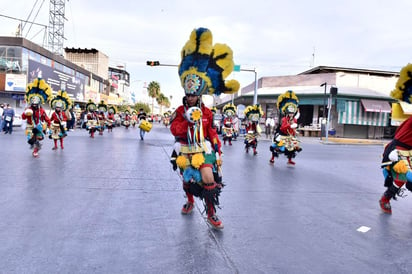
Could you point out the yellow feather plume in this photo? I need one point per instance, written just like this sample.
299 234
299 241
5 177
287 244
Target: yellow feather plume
181 161
400 167
404 76
232 86
197 160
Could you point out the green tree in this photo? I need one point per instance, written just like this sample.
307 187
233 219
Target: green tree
154 91
163 101
144 106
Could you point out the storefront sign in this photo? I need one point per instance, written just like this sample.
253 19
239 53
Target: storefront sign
74 86
15 82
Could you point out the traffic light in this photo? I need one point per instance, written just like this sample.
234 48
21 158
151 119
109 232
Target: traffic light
153 63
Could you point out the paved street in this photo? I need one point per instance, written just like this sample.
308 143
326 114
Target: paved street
112 205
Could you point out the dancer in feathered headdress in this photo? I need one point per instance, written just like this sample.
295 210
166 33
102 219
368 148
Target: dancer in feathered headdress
203 70
126 119
37 93
133 118
285 139
101 116
112 110
60 103
166 118
92 119
228 131
397 160
253 130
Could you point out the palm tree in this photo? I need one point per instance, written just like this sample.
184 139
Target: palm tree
153 90
162 100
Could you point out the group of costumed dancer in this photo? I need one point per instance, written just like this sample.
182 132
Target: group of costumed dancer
38 123
98 121
285 139
197 150
397 155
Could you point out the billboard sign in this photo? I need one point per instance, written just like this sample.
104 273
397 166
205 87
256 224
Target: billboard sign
74 86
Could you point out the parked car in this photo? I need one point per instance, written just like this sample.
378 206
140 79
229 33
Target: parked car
17 121
217 122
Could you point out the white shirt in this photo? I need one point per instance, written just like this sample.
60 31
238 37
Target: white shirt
270 122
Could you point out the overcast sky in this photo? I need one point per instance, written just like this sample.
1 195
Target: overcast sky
275 37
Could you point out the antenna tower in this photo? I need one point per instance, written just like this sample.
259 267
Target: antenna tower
56 26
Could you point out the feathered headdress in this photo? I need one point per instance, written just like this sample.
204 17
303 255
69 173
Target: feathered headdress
38 92
112 109
229 109
403 87
61 100
204 66
91 106
253 113
102 106
288 102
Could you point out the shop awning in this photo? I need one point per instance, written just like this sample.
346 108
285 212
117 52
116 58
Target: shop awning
355 114
376 106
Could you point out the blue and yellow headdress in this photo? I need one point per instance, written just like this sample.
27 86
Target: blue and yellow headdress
403 87
288 102
61 100
91 106
38 92
204 66
229 109
253 113
112 109
102 106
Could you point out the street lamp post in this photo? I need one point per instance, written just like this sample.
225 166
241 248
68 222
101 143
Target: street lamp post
324 99
256 84
323 125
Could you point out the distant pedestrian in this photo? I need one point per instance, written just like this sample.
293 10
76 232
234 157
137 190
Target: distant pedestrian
2 106
142 118
8 117
269 125
72 120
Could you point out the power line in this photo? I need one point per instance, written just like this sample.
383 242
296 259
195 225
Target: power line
21 20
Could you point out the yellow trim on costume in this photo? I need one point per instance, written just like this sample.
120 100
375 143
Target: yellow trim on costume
186 149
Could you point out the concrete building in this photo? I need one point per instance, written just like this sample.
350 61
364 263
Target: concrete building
85 76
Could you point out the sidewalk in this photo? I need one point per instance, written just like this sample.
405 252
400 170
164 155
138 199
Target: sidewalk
353 141
337 141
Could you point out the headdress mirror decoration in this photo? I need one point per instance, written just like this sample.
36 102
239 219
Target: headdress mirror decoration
61 100
288 102
38 92
204 66
102 106
253 113
91 106
229 109
112 109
